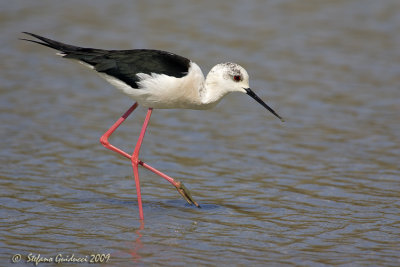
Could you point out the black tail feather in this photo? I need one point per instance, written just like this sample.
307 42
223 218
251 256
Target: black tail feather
52 44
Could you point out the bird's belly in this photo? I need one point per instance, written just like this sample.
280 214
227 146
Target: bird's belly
165 92
168 100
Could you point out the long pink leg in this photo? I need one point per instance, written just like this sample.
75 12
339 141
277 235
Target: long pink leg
135 161
106 135
135 158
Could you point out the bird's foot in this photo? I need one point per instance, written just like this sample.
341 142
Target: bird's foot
185 193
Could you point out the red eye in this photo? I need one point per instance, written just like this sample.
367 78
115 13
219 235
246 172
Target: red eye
237 78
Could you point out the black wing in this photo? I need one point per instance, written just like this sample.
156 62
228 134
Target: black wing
122 64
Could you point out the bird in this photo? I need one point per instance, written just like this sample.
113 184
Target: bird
156 79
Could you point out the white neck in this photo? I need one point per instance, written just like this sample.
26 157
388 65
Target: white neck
210 95
213 89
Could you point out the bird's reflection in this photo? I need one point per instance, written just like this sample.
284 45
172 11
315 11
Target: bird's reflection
137 245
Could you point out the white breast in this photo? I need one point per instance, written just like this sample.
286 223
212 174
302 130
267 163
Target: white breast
162 91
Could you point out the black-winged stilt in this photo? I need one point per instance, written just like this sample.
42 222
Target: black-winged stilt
157 79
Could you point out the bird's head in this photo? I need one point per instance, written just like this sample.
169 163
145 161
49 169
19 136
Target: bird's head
231 77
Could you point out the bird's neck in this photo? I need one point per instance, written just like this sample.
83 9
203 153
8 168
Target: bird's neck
211 92
209 96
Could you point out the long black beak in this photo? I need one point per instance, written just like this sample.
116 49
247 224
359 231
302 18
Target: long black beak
259 100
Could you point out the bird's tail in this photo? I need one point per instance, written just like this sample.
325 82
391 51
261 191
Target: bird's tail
64 48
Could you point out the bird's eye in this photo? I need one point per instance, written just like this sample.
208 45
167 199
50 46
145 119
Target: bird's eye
237 78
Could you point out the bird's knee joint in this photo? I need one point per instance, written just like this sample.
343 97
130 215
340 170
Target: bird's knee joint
104 141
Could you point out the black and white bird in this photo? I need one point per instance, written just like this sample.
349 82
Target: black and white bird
160 80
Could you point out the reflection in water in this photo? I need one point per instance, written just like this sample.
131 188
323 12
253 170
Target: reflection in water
137 245
322 188
132 248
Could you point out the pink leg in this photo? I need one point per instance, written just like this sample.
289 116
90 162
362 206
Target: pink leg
135 159
106 135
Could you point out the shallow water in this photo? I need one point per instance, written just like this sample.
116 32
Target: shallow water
323 188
